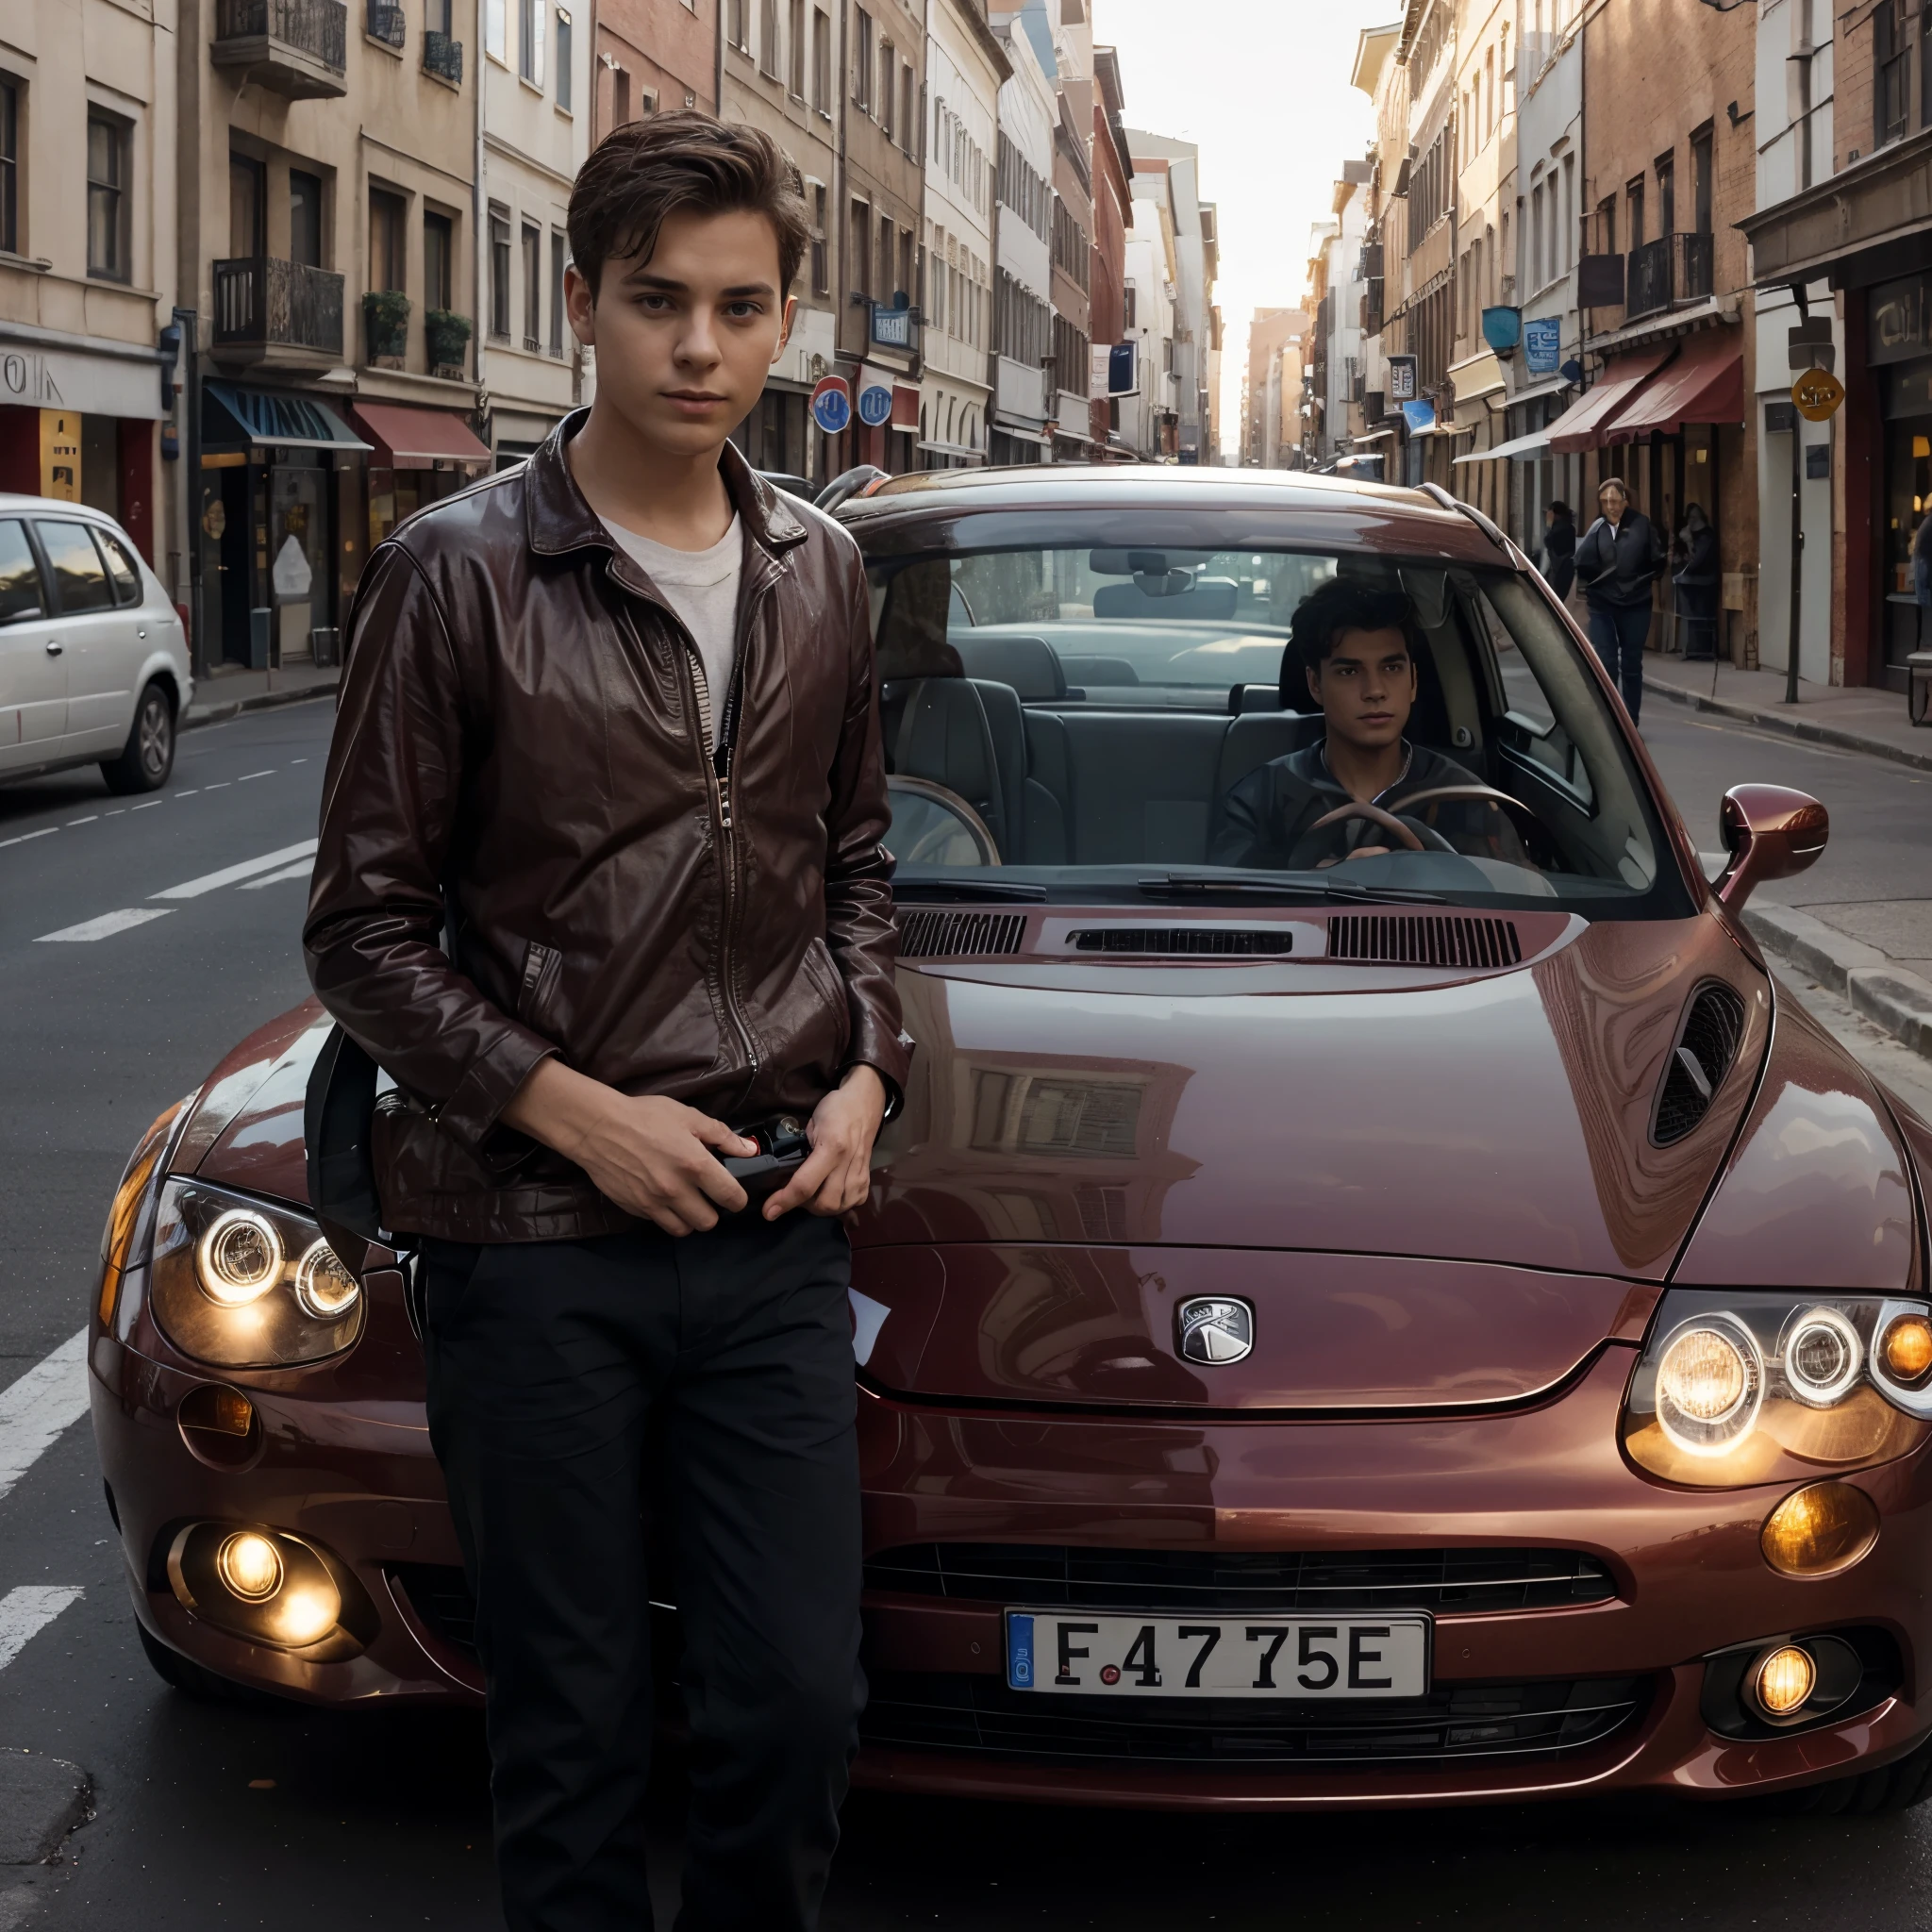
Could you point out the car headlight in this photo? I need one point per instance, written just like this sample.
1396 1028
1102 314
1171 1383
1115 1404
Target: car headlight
1733 1390
248 1283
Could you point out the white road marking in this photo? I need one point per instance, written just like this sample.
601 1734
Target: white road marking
214 881
219 785
246 775
37 1407
298 761
105 928
300 870
92 817
150 804
188 794
45 832
26 1611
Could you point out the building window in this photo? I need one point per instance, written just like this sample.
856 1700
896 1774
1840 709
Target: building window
499 277
564 97
862 65
495 33
619 97
304 218
533 287
888 67
821 60
821 267
882 280
1633 205
1891 80
908 118
737 24
1570 236
530 40
858 255
247 204
107 198
1700 180
439 261
558 250
9 166
1667 194
387 227
795 48
768 38
1127 305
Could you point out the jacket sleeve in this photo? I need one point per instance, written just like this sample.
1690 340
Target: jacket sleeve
373 938
860 929
1588 555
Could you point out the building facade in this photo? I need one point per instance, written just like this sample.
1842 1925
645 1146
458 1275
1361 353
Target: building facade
1113 172
1194 249
1150 419
1023 270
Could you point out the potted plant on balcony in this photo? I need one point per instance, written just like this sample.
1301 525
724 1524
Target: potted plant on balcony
448 335
386 326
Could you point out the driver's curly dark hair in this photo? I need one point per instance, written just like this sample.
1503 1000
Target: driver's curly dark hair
1341 603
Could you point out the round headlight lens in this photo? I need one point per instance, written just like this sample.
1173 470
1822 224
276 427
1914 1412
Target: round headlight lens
250 1566
324 1286
1782 1680
1820 1530
240 1258
1907 1349
1710 1383
1823 1357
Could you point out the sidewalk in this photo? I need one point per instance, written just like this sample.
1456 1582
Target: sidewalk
229 690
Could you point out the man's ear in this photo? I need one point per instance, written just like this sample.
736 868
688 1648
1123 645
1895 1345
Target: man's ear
1314 684
581 305
785 333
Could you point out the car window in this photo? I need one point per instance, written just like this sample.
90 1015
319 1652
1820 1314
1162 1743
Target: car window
120 569
79 580
20 576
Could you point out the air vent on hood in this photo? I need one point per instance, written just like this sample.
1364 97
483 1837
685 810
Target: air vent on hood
1224 940
954 935
1405 939
1713 1029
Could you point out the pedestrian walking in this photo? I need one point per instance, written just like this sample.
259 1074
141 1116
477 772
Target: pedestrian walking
1559 548
1618 559
609 723
1921 574
1694 583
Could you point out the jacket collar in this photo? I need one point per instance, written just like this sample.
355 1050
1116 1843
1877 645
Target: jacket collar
559 520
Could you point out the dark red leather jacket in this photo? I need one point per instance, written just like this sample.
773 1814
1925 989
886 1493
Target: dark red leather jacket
519 776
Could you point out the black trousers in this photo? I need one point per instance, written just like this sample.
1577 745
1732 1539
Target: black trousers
1619 632
550 1366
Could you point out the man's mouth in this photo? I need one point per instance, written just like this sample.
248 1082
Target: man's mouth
697 397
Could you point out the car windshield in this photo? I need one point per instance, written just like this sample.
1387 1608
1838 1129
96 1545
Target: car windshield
1112 718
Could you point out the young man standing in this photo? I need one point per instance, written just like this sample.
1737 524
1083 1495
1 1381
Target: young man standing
600 879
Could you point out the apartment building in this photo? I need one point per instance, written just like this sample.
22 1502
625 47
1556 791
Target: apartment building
1269 332
1113 169
1023 252
651 57
777 62
88 139
1150 418
1195 260
966 66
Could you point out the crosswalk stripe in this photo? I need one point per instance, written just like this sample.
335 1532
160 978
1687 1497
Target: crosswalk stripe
214 881
26 1611
300 870
104 926
38 1408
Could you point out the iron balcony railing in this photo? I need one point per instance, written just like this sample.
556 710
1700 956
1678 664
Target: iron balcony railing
319 28
1672 269
386 24
263 302
442 56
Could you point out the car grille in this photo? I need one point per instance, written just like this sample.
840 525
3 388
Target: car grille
1048 1576
1541 1718
1424 940
1217 939
960 935
440 1596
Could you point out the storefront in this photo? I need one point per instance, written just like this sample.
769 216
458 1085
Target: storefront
1899 353
416 457
282 516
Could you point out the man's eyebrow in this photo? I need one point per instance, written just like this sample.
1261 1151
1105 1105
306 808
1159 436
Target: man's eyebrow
643 278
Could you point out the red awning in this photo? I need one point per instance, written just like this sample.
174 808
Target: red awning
1583 424
1706 384
412 439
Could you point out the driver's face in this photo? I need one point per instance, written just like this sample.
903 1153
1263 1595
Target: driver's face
1366 688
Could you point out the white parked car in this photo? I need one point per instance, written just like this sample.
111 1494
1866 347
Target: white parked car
93 661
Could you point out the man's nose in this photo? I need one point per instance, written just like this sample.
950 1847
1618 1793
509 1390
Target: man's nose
699 342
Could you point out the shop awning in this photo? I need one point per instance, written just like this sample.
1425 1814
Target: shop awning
406 437
1583 424
1706 384
1372 436
230 414
955 449
1522 449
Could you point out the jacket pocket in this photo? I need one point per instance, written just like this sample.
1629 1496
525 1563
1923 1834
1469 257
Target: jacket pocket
537 989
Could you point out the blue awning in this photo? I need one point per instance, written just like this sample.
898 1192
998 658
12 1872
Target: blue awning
230 414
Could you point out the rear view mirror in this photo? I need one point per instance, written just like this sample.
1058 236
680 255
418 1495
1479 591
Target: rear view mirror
1770 833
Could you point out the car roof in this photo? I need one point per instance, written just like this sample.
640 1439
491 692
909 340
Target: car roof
13 503
1376 516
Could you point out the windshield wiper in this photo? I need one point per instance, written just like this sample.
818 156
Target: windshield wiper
903 887
1190 885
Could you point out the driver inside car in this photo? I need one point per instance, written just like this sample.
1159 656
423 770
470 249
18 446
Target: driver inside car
1357 644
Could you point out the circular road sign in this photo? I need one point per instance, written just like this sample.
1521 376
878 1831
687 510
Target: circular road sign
1817 394
875 404
831 405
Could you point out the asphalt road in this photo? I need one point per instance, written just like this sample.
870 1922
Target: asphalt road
217 1819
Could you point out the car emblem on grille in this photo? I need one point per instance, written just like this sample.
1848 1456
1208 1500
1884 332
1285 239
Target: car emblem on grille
1216 1329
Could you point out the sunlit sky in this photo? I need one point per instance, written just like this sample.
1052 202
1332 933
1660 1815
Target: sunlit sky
1262 87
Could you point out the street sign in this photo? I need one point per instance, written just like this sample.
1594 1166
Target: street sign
1402 378
875 404
1818 394
1543 344
891 327
831 405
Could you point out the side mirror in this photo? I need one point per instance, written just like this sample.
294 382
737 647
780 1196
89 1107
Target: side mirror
1770 833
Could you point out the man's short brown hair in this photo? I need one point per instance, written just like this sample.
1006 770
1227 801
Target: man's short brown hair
676 163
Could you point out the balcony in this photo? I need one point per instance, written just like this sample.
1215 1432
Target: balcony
1673 269
293 47
271 312
442 56
386 22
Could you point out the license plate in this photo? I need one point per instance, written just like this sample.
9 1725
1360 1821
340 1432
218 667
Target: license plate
1294 1659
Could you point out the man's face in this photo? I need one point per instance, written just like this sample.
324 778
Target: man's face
686 339
1366 688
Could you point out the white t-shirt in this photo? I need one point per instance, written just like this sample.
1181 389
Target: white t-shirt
702 586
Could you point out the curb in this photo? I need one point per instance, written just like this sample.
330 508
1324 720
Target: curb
261 701
1890 996
1791 727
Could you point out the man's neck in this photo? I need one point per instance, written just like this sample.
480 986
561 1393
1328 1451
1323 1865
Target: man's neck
672 498
1365 772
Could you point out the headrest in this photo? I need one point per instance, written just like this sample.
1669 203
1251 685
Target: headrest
1030 665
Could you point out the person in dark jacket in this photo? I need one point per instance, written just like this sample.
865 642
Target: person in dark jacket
600 883
1921 575
1559 547
1695 582
1618 559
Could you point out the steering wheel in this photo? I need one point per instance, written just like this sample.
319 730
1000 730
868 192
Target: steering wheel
1515 807
1410 838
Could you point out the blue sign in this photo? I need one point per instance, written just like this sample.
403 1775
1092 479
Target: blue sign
831 405
1419 416
892 328
1122 378
1018 1651
875 404
1543 344
1502 327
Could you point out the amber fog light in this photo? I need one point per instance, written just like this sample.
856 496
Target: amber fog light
1907 1349
1820 1530
1782 1680
250 1567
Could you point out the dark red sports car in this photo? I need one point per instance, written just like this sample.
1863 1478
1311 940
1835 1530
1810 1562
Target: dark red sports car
1435 1326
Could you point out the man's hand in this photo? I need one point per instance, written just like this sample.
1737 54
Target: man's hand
655 1159
836 1174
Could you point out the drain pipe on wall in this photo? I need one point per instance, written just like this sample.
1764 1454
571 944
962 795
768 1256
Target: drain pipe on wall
480 240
